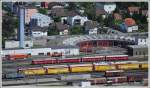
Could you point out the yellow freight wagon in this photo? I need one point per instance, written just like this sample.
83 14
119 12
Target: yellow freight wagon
104 67
128 66
57 69
144 66
33 71
81 68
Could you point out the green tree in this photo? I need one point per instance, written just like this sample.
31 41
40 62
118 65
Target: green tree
9 24
75 30
43 11
53 31
57 19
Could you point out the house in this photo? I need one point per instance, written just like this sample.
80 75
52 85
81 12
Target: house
129 25
100 10
58 11
38 31
62 28
29 11
44 5
133 10
138 50
91 27
141 40
144 12
75 19
117 16
40 20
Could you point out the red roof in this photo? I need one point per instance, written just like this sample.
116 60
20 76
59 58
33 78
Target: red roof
129 22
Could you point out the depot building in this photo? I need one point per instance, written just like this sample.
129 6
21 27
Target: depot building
65 50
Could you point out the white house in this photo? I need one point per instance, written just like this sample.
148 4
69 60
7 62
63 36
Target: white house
141 40
38 31
77 20
41 20
91 27
132 28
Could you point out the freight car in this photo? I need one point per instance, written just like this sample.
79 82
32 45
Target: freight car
54 54
17 56
113 73
57 69
81 68
33 71
13 76
99 67
82 59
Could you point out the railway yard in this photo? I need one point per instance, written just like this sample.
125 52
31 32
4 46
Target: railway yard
97 69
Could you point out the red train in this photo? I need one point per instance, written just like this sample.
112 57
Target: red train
82 59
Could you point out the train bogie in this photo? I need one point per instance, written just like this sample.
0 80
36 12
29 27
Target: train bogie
81 68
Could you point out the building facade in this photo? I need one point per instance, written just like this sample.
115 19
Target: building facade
66 50
40 20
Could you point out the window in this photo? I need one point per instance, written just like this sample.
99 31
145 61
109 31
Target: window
27 45
41 54
139 52
136 53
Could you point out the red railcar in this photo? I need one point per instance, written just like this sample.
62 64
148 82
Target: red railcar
120 79
93 59
70 60
45 61
17 56
95 81
117 57
135 78
114 73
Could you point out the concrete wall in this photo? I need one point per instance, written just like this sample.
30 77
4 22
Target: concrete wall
15 44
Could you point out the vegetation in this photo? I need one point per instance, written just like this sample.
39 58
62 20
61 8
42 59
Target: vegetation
76 30
57 19
52 31
43 11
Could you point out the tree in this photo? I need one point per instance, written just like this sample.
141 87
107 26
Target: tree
53 31
57 19
43 11
76 30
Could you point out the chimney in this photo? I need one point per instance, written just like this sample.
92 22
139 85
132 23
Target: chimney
21 27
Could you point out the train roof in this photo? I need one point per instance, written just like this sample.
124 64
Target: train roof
41 59
116 55
56 66
30 68
76 65
102 63
115 71
92 56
